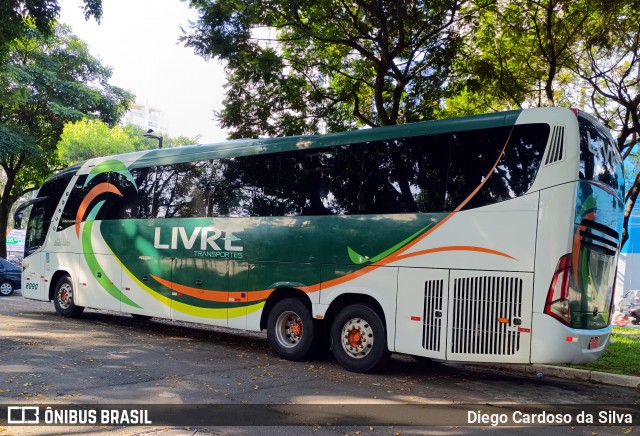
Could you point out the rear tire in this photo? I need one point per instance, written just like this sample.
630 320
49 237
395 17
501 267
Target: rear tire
6 288
64 299
359 339
292 333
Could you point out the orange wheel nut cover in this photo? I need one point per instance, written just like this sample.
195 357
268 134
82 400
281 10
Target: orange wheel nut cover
355 338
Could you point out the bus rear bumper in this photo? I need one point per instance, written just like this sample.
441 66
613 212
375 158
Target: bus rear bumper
553 342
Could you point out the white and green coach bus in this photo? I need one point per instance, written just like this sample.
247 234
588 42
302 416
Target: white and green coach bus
490 238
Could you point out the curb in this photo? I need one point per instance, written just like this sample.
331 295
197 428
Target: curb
539 370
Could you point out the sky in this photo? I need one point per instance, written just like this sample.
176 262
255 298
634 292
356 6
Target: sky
138 40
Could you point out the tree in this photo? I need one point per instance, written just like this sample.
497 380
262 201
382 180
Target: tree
523 53
46 82
331 65
18 16
583 53
90 138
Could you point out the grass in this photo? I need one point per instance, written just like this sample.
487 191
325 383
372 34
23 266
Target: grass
622 356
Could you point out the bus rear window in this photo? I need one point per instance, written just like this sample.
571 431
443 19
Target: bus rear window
600 160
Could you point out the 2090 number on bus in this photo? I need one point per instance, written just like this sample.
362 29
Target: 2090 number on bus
33 286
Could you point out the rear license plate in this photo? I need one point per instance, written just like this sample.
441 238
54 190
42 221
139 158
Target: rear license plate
594 343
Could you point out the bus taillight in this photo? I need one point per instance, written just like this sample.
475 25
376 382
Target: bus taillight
557 304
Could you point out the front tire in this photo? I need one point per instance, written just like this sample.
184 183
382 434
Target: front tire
292 333
64 299
6 288
359 339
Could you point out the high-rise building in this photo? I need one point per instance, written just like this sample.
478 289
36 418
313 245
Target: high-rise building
147 117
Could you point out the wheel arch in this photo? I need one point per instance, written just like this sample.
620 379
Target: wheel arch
348 299
280 294
54 280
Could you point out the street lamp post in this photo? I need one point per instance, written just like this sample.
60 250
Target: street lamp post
150 134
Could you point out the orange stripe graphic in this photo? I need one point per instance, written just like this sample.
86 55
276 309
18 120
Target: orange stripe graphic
213 295
251 296
456 248
97 190
575 255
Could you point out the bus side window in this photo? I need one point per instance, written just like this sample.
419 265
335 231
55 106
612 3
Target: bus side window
304 185
477 154
36 231
124 206
255 184
345 179
145 183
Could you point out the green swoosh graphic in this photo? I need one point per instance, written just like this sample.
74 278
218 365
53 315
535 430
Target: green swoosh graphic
93 263
359 259
113 166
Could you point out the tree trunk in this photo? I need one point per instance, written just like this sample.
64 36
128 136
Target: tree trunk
5 209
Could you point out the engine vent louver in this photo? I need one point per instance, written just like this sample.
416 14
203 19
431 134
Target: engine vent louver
555 152
433 315
486 313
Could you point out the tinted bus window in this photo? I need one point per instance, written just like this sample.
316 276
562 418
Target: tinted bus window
599 157
475 153
42 213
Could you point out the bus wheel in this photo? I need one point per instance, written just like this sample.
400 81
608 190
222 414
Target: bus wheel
359 339
291 331
6 288
63 299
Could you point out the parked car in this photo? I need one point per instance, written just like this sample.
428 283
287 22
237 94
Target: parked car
14 260
630 301
10 278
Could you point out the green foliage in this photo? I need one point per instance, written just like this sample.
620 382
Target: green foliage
90 138
45 82
141 143
48 82
327 65
18 16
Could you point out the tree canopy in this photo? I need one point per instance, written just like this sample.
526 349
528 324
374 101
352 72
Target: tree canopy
88 138
17 16
46 82
327 64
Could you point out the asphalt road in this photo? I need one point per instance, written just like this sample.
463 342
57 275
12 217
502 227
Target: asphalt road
107 358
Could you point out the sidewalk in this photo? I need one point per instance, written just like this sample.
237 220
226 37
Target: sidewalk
573 374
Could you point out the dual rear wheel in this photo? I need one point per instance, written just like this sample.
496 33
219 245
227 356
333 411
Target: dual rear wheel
357 336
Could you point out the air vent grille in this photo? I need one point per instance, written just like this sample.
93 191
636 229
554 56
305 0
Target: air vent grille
555 152
486 314
432 328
